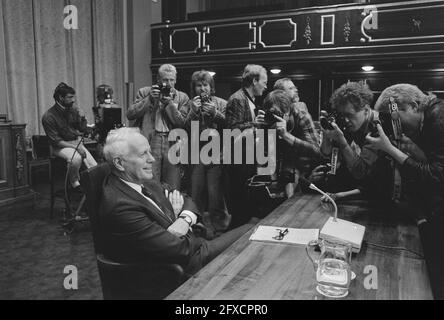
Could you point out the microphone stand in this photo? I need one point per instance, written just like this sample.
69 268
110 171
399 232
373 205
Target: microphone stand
68 223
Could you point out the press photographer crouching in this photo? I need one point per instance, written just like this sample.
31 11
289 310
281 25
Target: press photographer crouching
344 144
298 137
420 156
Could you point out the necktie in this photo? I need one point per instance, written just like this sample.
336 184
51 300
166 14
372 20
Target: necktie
148 194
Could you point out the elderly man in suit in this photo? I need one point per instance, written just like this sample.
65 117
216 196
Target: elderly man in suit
144 221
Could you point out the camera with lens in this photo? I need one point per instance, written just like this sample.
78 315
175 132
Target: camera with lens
385 121
204 98
326 120
164 89
269 116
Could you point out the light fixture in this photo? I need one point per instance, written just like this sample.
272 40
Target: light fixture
275 71
368 68
212 73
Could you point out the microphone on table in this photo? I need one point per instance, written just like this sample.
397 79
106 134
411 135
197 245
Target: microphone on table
307 184
338 230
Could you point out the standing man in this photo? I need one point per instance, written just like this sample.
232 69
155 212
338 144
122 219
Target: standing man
241 114
64 125
157 110
206 179
288 86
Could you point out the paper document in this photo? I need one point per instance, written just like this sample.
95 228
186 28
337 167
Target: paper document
281 235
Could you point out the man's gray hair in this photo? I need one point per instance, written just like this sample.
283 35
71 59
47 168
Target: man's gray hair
117 143
279 84
251 72
167 68
404 94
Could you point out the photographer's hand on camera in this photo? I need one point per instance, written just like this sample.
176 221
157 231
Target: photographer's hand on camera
260 119
155 92
281 126
196 104
318 174
209 108
335 135
382 142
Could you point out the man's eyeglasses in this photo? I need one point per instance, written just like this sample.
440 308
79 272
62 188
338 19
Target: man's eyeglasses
281 234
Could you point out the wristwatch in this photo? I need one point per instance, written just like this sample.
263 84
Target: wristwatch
187 218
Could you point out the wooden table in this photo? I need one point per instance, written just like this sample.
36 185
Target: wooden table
262 271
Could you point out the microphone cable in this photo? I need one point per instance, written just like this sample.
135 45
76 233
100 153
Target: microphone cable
67 201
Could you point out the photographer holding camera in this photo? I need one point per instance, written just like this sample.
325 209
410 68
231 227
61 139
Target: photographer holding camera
206 179
347 131
421 159
157 110
299 136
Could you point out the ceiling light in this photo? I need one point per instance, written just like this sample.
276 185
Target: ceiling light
275 71
368 68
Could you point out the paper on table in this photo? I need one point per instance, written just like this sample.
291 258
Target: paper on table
294 236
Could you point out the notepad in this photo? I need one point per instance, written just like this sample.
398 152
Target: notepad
294 236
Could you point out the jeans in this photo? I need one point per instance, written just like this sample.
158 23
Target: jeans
207 191
163 170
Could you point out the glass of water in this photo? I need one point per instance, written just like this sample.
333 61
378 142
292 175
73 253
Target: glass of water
334 274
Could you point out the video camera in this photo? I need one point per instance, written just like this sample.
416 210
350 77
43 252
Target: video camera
165 90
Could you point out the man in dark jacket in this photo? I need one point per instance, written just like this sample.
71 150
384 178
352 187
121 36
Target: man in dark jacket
421 160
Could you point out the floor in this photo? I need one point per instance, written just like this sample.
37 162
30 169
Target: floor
35 250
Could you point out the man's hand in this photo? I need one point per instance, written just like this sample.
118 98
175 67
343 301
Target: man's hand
409 147
380 143
209 108
176 200
281 126
179 228
82 151
318 174
166 100
334 135
260 118
196 104
155 93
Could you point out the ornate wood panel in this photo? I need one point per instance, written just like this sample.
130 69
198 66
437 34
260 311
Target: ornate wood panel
345 30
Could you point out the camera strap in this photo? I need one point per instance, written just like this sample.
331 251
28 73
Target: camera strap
397 130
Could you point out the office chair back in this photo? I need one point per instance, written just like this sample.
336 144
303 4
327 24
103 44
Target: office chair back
125 281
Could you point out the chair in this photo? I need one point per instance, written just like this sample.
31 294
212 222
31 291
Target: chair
40 155
124 281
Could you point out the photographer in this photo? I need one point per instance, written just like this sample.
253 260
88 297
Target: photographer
351 102
421 157
64 125
241 114
206 179
157 110
299 137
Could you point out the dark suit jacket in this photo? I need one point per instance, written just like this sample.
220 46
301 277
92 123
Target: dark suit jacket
134 230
